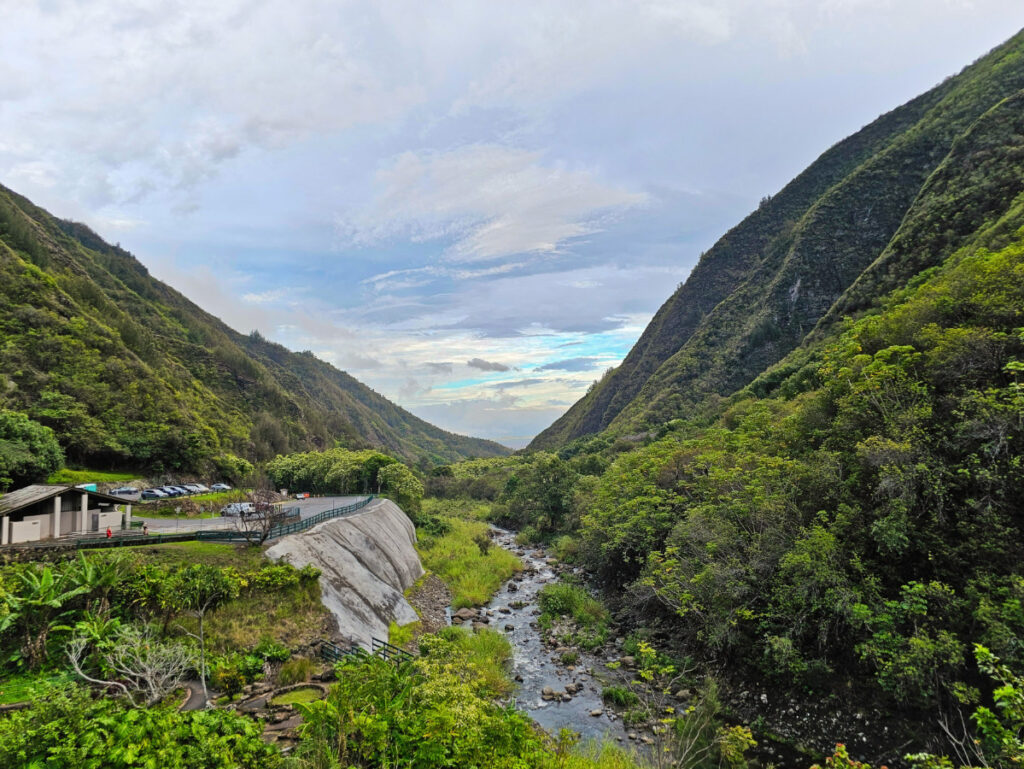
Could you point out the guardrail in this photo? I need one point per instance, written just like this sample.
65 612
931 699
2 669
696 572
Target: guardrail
218 535
378 648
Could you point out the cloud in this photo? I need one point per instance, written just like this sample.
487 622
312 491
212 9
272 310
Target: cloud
485 365
517 383
571 364
440 368
486 202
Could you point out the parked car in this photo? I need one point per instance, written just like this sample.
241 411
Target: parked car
220 487
154 494
302 495
192 488
124 490
172 491
239 508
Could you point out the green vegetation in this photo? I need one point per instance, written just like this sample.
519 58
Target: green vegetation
435 711
296 670
298 696
402 635
29 451
339 471
619 696
937 171
129 373
472 575
68 729
562 599
75 477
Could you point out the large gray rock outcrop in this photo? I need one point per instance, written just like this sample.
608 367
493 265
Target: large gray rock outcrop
368 560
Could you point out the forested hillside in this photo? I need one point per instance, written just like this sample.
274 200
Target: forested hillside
810 469
898 196
129 373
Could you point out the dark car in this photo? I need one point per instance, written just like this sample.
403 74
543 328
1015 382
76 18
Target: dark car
153 494
124 490
172 491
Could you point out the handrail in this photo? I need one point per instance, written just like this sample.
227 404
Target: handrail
378 648
221 535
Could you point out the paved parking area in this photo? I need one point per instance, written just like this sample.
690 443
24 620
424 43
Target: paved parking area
307 508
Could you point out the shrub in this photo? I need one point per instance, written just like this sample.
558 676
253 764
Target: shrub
295 671
619 696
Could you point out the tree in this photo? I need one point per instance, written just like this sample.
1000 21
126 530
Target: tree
29 452
402 483
146 669
37 608
198 590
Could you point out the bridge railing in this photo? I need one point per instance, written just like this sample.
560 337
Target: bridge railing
220 535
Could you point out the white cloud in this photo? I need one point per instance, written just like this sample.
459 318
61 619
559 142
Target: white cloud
493 201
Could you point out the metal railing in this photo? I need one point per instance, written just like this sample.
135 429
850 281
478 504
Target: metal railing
378 648
217 535
390 652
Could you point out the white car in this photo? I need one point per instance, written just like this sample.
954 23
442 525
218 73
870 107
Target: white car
238 508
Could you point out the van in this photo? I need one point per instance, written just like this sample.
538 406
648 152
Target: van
238 508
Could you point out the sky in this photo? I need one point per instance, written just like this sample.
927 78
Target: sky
473 207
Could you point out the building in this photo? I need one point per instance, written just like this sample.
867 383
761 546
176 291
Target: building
46 512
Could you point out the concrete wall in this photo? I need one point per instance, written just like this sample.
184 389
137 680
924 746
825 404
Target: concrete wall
100 521
31 529
368 560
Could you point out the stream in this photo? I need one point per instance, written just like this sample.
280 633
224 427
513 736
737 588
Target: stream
535 666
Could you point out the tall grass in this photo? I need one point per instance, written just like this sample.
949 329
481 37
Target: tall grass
90 476
472 576
489 652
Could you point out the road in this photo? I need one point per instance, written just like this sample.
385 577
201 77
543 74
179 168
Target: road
307 508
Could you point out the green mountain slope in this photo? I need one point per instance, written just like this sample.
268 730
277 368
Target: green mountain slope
839 236
128 372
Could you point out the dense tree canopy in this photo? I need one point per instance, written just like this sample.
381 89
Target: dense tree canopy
29 451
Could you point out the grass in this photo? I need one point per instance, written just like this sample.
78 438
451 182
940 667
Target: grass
303 695
242 557
471 575
294 671
28 686
168 512
563 599
400 635
221 497
489 652
292 617
90 476
620 696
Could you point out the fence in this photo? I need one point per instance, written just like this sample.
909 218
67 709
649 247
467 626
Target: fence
220 535
378 648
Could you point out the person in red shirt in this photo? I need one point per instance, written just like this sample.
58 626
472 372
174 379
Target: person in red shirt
109 533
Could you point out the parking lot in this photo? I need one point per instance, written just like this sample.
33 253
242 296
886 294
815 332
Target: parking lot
307 508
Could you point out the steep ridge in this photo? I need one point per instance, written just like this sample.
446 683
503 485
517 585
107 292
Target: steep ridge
767 283
128 372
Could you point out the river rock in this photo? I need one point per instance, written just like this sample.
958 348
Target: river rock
505 610
509 628
512 587
566 697
597 712
477 624
629 661
465 614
